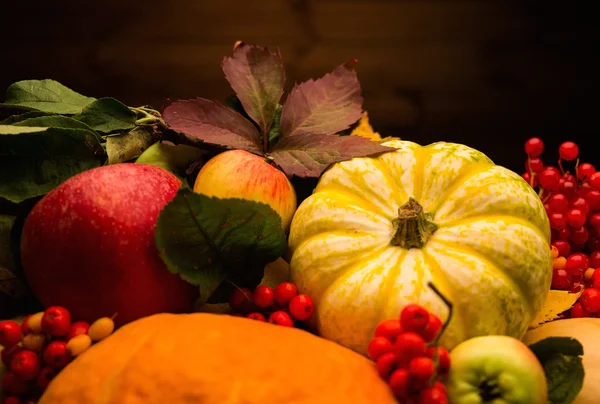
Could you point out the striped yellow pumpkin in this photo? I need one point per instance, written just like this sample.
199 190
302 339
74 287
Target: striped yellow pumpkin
377 230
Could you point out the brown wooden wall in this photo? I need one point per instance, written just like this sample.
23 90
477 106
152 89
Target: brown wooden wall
487 73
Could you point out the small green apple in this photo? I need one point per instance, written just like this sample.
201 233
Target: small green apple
496 369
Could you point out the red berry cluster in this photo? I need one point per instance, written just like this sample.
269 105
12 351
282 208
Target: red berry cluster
38 348
282 305
572 202
409 358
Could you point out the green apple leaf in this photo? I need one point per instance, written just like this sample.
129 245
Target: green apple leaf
34 160
26 115
45 96
561 359
52 121
174 158
10 284
207 240
107 115
128 146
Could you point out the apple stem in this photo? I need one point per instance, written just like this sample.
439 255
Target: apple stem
436 341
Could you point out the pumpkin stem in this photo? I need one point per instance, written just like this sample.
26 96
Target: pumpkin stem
413 226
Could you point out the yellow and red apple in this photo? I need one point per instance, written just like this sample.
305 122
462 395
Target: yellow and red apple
240 174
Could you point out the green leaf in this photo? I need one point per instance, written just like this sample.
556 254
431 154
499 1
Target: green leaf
127 146
10 284
34 160
21 117
52 121
274 132
206 240
45 96
107 115
174 158
561 359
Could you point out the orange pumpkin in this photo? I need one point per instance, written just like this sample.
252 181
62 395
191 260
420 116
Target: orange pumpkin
216 359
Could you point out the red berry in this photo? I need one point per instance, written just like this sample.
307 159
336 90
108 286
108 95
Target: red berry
301 307
568 188
56 321
389 329
557 220
593 199
421 369
12 400
581 204
561 280
241 300
558 203
7 354
433 328
580 236
576 264
594 180
280 317
594 221
284 293
10 333
25 364
578 311
563 247
386 364
530 179
595 259
549 178
443 358
378 346
414 318
534 164
45 377
590 300
596 279
56 354
568 151
585 171
575 218
263 296
409 345
433 395
565 234
256 316
399 383
534 147
12 384
78 328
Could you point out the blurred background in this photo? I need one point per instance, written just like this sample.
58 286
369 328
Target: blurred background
489 74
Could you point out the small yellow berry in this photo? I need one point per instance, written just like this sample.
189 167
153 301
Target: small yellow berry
559 263
101 328
34 342
77 345
588 274
35 323
554 252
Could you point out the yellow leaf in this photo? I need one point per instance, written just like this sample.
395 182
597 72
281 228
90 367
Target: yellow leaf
364 129
557 302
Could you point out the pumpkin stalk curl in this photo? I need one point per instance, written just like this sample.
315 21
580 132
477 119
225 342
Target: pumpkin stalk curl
413 226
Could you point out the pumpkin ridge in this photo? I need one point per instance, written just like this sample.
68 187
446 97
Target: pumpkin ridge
510 280
437 274
111 384
371 208
419 154
389 284
458 182
398 186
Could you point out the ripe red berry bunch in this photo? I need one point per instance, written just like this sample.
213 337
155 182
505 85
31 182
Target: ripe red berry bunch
282 305
38 348
408 356
572 202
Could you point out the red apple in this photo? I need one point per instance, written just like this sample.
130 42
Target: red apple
240 174
88 245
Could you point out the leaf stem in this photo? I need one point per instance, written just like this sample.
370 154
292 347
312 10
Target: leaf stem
148 117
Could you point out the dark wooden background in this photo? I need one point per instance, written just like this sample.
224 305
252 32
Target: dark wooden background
486 73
